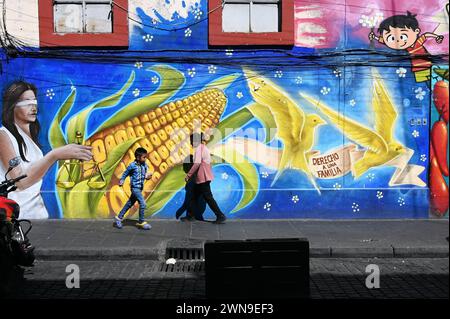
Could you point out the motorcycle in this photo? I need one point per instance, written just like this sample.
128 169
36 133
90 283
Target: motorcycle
15 247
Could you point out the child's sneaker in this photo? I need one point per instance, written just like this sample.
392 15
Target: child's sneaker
144 225
117 222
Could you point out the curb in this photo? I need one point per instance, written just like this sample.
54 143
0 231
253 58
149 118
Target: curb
98 254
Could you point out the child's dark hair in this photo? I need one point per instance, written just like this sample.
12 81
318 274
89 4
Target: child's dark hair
139 152
399 21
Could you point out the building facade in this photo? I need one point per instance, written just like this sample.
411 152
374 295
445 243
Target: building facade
317 109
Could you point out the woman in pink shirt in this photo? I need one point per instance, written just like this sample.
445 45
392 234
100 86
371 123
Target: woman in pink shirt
203 177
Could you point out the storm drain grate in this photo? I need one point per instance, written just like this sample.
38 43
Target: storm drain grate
183 266
185 253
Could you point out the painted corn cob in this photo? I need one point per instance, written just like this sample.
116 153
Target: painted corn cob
164 132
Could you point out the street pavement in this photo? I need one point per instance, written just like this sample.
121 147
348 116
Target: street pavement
331 278
97 239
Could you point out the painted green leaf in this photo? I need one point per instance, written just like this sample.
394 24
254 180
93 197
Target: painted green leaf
78 122
246 170
230 124
170 83
223 82
263 114
55 135
172 182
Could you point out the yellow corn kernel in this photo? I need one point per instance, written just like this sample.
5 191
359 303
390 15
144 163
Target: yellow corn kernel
150 166
170 145
177 105
131 133
148 128
173 106
155 177
181 122
144 118
190 125
182 111
176 114
188 107
117 198
162 135
152 115
119 170
163 167
175 126
163 152
103 210
156 125
169 118
200 117
155 158
165 109
186 118
158 112
140 132
135 121
154 139
146 144
162 120
169 130
110 143
120 136
185 102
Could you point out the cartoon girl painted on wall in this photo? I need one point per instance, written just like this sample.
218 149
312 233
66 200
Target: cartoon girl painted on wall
19 138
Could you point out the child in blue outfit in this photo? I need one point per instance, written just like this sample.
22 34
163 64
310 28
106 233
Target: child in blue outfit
137 171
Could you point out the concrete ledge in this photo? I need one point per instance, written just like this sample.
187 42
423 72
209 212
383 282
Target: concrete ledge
421 252
98 254
362 252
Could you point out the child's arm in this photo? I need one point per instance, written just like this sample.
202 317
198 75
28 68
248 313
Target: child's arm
372 37
149 174
438 38
125 174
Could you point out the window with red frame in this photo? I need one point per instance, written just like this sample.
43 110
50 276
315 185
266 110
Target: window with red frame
83 23
251 22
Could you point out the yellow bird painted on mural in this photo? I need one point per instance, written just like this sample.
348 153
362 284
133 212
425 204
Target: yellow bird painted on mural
294 128
380 143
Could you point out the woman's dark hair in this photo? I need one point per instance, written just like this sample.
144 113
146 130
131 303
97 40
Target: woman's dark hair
399 21
197 137
10 97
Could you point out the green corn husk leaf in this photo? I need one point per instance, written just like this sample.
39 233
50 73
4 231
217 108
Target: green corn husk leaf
172 182
246 170
79 121
263 114
223 82
230 124
56 136
170 83
81 199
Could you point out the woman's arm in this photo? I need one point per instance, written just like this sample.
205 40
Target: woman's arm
197 161
36 171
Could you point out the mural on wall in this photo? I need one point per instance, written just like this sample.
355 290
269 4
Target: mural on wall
334 139
439 193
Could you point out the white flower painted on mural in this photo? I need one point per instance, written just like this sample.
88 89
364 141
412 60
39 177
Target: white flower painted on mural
401 72
420 94
380 194
267 206
224 176
401 201
371 21
191 72
147 38
370 176
229 52
136 92
278 74
50 94
337 73
298 80
423 157
197 13
264 174
325 90
352 102
295 199
239 95
415 133
355 207
187 32
212 69
337 186
138 65
155 79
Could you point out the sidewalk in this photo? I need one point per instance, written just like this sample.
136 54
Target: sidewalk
97 239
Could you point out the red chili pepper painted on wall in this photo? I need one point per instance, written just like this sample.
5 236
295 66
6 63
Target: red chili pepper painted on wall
440 98
439 193
439 138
